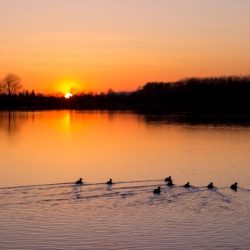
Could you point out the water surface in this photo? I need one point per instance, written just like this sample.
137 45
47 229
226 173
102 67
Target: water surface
42 153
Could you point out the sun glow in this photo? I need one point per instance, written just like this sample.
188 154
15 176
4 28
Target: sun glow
68 88
68 95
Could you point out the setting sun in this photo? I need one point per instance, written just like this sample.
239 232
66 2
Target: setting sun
68 95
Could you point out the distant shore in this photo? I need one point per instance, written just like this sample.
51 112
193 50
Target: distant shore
222 96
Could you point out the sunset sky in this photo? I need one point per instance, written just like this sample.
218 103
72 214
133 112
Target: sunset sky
94 45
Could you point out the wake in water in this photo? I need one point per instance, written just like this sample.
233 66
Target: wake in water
88 215
80 191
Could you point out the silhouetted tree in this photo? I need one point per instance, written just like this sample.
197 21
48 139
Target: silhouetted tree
11 84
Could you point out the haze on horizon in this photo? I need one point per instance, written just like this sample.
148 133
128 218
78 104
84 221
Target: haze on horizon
94 45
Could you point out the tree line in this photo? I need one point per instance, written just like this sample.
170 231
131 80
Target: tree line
212 95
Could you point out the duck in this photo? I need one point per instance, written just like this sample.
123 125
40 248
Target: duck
110 182
210 185
234 186
170 183
157 190
79 182
168 179
187 185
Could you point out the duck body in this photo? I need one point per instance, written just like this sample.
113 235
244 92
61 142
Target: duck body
187 185
110 182
210 185
234 186
79 182
168 179
157 190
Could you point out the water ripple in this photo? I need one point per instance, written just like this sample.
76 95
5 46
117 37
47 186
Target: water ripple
126 215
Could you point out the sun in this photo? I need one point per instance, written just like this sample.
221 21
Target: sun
68 95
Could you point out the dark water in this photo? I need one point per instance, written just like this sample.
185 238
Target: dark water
137 152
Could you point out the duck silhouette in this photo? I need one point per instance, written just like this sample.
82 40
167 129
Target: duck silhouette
234 186
210 185
187 185
157 190
110 182
168 179
79 182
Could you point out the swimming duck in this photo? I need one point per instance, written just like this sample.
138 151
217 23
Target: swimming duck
234 186
80 182
210 185
168 179
187 185
110 182
157 190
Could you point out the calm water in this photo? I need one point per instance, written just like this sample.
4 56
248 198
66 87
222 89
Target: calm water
42 153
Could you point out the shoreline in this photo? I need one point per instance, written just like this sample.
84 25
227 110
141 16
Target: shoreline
156 116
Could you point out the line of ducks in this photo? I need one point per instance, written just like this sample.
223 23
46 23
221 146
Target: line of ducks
170 183
80 182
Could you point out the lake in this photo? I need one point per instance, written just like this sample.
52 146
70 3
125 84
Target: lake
43 153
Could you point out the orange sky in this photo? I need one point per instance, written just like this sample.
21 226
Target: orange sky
92 45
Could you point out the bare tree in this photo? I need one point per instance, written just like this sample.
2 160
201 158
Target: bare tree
11 84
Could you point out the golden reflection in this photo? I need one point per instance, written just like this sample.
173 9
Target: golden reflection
66 120
61 146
